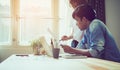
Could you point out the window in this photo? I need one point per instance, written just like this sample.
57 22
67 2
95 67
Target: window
5 22
24 20
35 19
36 16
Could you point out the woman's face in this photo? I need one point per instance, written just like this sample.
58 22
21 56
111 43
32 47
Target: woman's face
82 23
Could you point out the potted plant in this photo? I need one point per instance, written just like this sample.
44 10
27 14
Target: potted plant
37 47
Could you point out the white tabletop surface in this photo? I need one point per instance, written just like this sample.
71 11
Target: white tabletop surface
32 62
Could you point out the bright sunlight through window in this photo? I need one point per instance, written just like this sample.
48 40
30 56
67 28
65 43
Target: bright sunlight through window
35 19
5 22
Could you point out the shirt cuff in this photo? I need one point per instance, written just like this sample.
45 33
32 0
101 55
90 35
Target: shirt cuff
93 52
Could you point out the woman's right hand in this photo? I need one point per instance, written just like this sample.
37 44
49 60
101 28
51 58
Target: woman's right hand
67 49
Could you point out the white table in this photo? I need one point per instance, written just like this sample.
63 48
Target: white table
33 62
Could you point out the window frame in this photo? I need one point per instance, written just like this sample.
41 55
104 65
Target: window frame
15 21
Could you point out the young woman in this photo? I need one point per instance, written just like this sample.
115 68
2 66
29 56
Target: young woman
97 41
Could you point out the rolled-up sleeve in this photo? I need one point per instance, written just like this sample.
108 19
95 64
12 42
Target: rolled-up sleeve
95 51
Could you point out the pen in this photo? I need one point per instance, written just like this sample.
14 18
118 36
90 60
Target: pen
22 55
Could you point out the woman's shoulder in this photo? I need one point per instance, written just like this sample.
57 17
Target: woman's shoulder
96 24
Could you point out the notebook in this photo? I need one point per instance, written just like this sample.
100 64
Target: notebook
72 56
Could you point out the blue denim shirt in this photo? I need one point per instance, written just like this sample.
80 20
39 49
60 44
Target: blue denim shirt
100 42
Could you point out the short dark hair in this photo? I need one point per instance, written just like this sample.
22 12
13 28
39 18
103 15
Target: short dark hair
79 2
84 10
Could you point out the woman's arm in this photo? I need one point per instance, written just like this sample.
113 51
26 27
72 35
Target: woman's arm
71 50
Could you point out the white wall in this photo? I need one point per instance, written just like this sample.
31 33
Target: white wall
113 18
